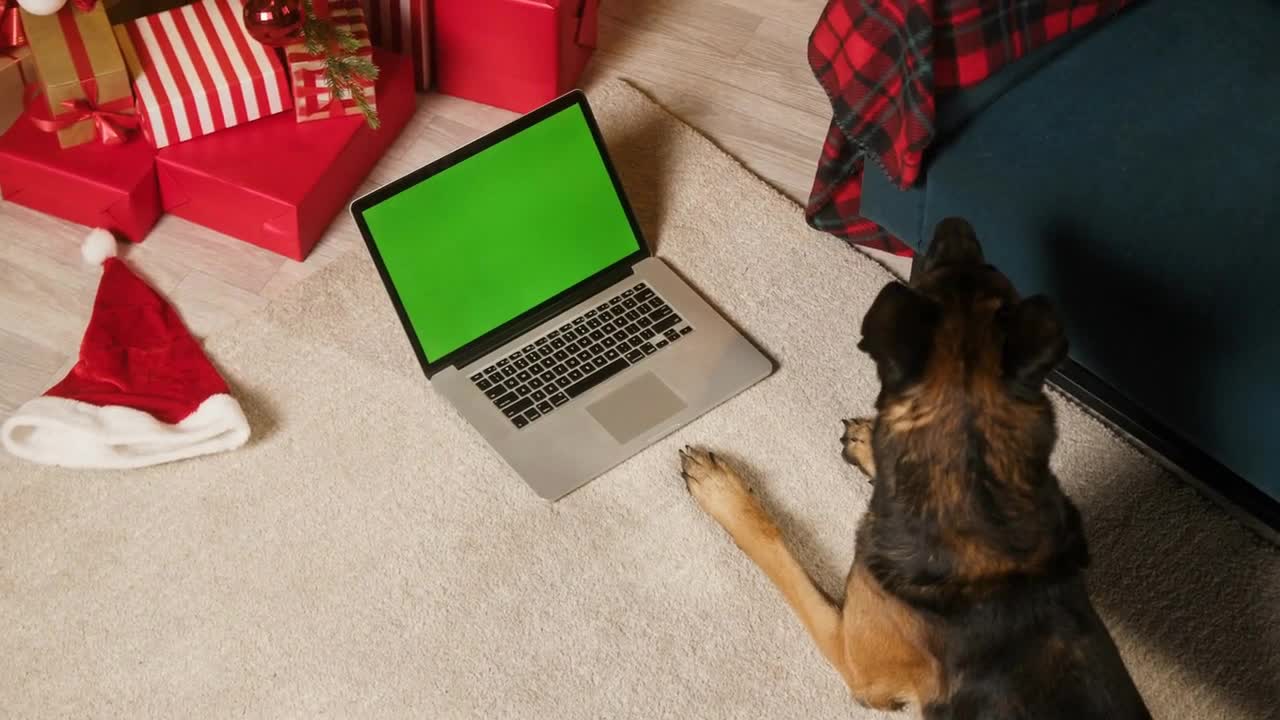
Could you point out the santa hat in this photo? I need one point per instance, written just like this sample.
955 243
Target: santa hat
142 392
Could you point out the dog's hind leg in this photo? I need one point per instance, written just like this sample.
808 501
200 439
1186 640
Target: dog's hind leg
722 494
886 646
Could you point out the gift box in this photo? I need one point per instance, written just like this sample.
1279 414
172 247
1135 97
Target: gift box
121 11
108 186
403 26
17 70
82 72
311 97
515 54
196 71
278 183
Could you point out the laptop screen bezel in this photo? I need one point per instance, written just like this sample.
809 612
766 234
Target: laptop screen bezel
522 323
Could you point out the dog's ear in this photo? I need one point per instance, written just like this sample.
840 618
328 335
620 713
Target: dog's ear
897 333
1034 343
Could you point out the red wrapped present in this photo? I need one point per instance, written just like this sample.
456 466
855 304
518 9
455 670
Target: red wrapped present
515 54
311 97
108 186
278 183
403 26
196 71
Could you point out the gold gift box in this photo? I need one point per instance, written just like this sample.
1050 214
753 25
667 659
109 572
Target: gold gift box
17 68
52 39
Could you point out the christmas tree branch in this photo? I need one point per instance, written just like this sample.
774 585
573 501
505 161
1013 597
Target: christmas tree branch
345 73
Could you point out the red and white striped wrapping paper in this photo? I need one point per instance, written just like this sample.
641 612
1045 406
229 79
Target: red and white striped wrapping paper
403 26
311 97
197 71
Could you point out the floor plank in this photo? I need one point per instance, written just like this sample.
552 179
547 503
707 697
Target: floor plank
26 369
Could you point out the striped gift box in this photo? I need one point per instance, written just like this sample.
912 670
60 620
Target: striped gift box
311 97
196 71
403 26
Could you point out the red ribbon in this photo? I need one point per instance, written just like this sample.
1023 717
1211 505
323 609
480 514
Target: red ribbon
111 124
84 5
11 33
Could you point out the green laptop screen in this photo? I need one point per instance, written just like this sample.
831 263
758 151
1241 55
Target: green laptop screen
480 243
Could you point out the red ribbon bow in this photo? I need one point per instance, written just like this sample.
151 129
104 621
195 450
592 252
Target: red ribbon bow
84 5
111 125
11 33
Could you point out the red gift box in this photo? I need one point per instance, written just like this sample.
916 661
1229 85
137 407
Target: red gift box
109 186
277 183
515 54
403 26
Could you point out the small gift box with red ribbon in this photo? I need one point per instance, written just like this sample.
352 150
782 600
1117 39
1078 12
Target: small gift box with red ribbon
197 71
515 54
312 99
82 75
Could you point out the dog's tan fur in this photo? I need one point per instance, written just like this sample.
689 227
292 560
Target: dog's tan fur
875 642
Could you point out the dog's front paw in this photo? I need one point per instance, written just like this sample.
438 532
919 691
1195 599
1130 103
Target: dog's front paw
857 445
717 489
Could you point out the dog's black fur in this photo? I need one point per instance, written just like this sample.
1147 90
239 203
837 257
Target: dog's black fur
967 523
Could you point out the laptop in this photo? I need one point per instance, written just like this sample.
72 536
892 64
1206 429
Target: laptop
535 307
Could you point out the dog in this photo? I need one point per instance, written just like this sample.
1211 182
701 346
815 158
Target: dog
966 599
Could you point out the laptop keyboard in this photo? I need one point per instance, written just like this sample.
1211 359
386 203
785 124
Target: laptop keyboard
533 381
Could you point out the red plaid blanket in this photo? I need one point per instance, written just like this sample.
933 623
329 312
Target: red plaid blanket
883 61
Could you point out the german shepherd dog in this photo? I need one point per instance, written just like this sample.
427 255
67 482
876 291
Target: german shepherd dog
966 598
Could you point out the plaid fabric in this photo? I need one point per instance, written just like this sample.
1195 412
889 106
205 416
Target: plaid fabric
882 62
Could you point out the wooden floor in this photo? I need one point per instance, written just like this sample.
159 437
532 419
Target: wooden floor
735 69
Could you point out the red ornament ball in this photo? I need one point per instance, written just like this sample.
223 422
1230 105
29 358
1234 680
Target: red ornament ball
273 22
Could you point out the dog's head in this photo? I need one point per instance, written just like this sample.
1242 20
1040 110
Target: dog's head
963 493
960 325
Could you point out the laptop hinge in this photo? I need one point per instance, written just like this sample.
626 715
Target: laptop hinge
480 348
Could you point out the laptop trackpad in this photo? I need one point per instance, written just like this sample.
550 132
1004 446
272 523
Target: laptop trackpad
635 407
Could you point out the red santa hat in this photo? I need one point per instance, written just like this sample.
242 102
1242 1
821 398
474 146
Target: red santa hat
142 393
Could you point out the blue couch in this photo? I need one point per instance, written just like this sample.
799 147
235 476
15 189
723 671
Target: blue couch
1132 173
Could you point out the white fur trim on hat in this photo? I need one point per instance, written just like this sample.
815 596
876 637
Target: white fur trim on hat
58 431
98 246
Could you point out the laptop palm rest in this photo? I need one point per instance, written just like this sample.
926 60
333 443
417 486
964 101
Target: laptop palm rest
636 407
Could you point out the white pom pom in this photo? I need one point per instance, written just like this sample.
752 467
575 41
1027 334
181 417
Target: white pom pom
41 7
98 246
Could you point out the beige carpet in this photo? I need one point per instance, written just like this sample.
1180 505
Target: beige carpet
368 556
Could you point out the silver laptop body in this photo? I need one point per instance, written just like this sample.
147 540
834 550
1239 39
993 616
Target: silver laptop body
582 381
